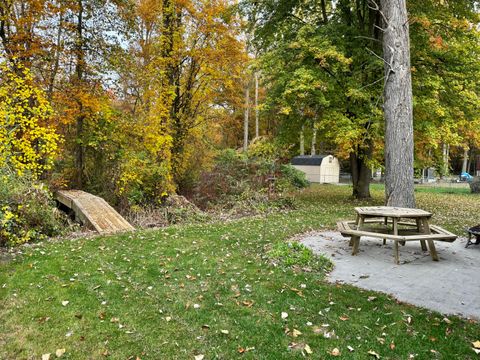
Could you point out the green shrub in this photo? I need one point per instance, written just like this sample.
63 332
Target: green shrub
294 176
27 210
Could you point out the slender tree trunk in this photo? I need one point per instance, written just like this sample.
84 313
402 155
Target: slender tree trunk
471 156
245 120
465 160
398 109
314 140
302 140
79 72
56 62
324 11
257 130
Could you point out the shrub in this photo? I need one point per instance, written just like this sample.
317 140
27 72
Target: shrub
27 210
475 185
243 184
294 176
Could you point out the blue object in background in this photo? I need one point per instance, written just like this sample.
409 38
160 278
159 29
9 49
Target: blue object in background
464 176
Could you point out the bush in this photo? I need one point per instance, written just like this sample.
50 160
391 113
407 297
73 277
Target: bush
475 185
294 176
246 185
27 210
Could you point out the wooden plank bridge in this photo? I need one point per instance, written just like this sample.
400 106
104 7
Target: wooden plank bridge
93 211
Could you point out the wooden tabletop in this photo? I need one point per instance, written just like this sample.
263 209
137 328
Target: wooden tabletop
389 211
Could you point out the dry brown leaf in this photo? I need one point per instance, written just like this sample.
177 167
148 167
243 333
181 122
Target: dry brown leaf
344 318
476 344
392 346
248 303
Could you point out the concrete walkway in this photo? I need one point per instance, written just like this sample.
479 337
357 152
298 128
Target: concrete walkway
449 286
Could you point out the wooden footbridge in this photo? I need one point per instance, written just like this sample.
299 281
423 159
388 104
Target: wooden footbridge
93 211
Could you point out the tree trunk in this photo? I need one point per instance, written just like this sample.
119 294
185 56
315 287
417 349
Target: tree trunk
465 160
314 140
79 73
398 110
245 120
302 140
257 125
361 175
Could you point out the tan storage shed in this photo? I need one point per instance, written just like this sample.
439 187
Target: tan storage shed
323 169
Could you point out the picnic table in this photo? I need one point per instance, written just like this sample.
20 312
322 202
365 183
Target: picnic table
387 222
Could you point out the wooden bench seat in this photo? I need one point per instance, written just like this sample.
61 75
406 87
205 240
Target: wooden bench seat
437 233
381 230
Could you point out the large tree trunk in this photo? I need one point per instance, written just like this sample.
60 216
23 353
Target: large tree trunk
399 189
361 175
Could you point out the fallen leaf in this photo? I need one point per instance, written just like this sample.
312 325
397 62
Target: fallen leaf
307 349
284 315
371 298
373 353
392 346
65 302
224 332
344 318
59 352
46 356
477 351
296 333
447 320
247 303
199 357
335 352
476 344
351 349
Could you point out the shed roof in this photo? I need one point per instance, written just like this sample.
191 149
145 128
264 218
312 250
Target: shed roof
311 160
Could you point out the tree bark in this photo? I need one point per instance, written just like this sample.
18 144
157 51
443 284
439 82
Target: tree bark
79 73
361 175
257 129
398 109
245 120
314 140
302 140
465 160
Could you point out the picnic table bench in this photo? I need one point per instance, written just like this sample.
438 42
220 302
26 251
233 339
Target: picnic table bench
385 222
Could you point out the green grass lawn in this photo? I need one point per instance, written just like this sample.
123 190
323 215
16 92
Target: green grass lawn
215 290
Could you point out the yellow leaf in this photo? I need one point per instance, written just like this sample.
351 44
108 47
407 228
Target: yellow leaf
59 352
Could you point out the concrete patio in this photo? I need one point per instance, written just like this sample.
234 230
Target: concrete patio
449 286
